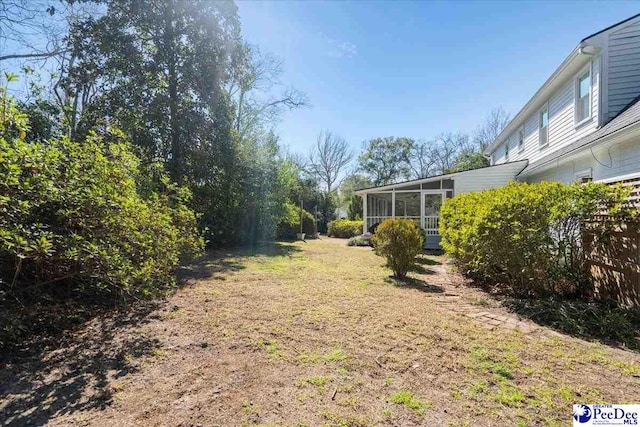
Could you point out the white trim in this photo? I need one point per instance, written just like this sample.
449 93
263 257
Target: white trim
621 135
559 77
521 146
364 213
473 172
423 216
393 203
620 178
576 93
602 89
543 108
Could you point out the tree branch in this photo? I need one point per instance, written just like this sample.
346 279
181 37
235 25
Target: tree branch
32 55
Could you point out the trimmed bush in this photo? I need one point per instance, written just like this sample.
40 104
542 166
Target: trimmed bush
528 238
344 228
85 217
289 225
399 241
359 241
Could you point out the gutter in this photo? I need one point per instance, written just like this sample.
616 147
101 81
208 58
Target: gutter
614 136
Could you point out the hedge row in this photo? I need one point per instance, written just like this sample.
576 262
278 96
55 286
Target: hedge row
86 216
528 237
344 228
289 225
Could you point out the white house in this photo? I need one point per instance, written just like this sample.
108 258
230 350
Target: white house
421 199
582 124
584 121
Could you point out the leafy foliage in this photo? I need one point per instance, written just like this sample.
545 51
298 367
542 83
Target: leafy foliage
355 208
601 320
384 160
344 228
399 241
85 216
528 237
289 224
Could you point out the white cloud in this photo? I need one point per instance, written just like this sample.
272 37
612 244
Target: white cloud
338 48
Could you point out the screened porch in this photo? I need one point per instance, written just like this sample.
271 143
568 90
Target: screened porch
419 202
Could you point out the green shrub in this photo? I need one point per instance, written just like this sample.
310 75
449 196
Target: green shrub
359 241
399 241
344 228
603 320
84 216
527 237
289 225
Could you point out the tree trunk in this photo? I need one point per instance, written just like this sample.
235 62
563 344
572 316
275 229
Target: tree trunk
175 164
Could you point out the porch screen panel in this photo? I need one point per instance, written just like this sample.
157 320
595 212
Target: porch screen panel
379 208
408 205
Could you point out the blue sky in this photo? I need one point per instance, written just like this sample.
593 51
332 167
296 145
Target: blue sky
415 69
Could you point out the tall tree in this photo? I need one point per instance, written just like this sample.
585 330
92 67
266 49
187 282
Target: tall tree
494 123
444 151
473 157
257 91
351 183
384 160
328 159
420 161
162 66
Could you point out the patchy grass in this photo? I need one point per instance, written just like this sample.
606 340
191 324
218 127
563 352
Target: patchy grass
315 334
318 381
335 356
410 401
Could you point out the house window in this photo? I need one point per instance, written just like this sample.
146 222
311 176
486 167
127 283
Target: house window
583 96
506 151
544 126
521 139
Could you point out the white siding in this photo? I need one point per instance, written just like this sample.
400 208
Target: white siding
485 178
624 67
605 162
562 128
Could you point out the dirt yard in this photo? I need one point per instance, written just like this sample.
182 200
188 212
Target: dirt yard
311 334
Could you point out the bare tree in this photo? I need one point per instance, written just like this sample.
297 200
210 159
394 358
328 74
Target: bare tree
328 158
496 121
445 150
256 88
29 29
420 161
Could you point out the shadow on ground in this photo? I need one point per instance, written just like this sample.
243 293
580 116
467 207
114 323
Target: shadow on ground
601 321
414 283
38 382
215 263
65 352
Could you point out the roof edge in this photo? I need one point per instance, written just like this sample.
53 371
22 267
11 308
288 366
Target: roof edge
575 53
624 21
362 191
631 128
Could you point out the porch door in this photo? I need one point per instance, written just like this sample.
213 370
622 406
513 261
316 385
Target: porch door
431 204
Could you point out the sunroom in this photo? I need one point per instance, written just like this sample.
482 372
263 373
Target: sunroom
420 200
